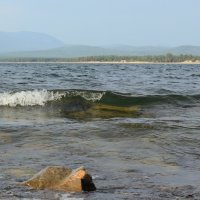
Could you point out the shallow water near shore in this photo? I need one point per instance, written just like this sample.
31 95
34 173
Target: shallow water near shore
134 127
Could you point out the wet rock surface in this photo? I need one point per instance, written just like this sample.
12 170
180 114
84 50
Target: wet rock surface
62 179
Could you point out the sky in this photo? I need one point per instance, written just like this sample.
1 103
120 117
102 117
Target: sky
106 22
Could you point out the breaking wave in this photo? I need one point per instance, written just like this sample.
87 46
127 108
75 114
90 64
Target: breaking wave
28 98
42 97
47 97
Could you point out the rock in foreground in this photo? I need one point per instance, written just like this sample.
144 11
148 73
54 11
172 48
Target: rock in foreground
63 179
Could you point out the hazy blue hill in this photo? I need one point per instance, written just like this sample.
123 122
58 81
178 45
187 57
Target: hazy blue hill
71 51
191 50
77 51
27 41
139 50
157 50
65 51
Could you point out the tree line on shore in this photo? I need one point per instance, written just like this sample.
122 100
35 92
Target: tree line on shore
168 58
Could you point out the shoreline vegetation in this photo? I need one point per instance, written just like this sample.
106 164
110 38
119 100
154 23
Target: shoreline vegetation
156 59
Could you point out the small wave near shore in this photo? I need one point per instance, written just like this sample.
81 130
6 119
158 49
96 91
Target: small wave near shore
44 97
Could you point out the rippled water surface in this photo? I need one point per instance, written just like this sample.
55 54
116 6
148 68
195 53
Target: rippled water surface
136 128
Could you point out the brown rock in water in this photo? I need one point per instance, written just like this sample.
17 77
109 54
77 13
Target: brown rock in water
63 179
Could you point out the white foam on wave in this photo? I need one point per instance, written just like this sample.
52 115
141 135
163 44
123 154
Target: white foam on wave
90 96
40 97
28 98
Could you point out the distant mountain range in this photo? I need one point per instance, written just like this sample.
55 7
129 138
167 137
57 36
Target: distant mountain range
27 41
31 44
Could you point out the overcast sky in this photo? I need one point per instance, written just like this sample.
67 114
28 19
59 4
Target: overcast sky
106 22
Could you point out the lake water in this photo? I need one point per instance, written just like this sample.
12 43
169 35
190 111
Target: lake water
136 128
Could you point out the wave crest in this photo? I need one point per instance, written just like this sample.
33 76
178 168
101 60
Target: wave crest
41 97
28 98
68 97
87 95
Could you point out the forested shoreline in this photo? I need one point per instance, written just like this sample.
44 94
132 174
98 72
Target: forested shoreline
168 58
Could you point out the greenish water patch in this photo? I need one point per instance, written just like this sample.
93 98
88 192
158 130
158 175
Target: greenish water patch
105 112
